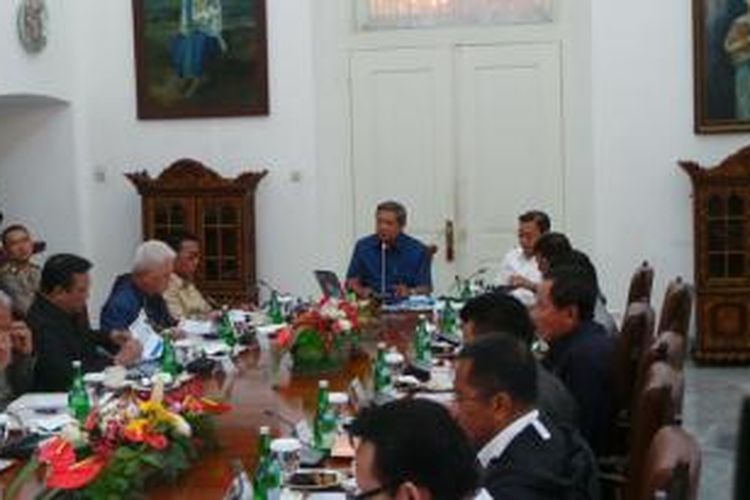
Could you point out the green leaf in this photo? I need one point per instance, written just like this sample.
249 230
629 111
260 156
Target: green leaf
23 475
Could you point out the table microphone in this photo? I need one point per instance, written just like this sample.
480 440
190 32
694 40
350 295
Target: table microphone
383 248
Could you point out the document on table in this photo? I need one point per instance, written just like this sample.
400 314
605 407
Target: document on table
150 340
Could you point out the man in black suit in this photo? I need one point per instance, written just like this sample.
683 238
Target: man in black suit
581 353
60 327
501 312
523 453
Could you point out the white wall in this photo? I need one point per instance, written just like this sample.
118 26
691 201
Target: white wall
47 73
37 159
116 142
643 123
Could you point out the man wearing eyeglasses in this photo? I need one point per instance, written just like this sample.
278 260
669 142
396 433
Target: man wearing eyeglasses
524 454
412 450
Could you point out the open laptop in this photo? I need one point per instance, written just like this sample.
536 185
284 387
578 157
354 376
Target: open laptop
329 284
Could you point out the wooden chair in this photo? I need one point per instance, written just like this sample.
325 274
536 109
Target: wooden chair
742 460
641 284
654 409
677 308
636 337
670 348
673 466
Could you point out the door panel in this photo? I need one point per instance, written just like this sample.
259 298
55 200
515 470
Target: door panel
402 142
509 144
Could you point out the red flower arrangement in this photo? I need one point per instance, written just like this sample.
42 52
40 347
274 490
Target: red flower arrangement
125 431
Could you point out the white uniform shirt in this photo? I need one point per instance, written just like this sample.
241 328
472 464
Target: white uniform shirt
515 263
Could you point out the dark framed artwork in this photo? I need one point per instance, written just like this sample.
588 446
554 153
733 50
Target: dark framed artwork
722 65
201 58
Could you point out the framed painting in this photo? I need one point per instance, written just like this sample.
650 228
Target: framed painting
201 58
722 65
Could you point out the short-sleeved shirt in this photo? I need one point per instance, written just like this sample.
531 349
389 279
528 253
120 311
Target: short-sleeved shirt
21 283
407 262
184 300
125 303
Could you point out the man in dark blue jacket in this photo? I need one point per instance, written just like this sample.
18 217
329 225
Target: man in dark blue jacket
581 353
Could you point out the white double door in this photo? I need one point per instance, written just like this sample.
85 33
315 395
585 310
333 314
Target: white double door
467 137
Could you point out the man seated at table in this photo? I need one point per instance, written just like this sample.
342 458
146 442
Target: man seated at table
500 312
524 454
59 322
581 353
412 449
554 249
549 247
390 263
19 276
184 300
139 294
16 362
519 269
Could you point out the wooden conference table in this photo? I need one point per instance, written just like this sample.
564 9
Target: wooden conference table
252 396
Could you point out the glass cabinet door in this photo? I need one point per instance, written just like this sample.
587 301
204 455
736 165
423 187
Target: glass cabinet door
220 227
169 216
725 239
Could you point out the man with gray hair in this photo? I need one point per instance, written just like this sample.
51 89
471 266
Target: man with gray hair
390 263
140 291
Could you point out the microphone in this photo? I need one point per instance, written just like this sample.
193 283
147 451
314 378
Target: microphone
383 248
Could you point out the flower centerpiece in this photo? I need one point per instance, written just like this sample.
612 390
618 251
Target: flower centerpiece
124 443
322 337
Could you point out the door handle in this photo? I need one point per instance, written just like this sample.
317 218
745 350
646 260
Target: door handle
450 250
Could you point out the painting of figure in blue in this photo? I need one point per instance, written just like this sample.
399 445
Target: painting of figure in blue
201 58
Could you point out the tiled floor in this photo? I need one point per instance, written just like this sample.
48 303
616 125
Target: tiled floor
711 413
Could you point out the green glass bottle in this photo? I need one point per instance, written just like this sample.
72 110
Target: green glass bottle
381 376
267 479
226 329
274 309
422 342
169 362
78 399
324 428
466 293
448 320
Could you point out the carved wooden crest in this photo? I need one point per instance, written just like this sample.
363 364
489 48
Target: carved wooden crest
735 166
190 175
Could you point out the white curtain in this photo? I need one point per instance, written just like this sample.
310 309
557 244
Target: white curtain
383 14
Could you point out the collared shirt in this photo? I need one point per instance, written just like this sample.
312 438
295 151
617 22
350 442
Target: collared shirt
184 300
500 442
21 283
59 339
583 361
516 263
407 262
125 303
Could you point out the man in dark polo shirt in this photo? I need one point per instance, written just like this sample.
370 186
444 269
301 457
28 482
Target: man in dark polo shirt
581 353
390 263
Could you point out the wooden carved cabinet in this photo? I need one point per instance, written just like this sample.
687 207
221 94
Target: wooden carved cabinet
721 208
190 197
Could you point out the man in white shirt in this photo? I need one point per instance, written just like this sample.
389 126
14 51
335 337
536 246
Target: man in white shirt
524 455
519 269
